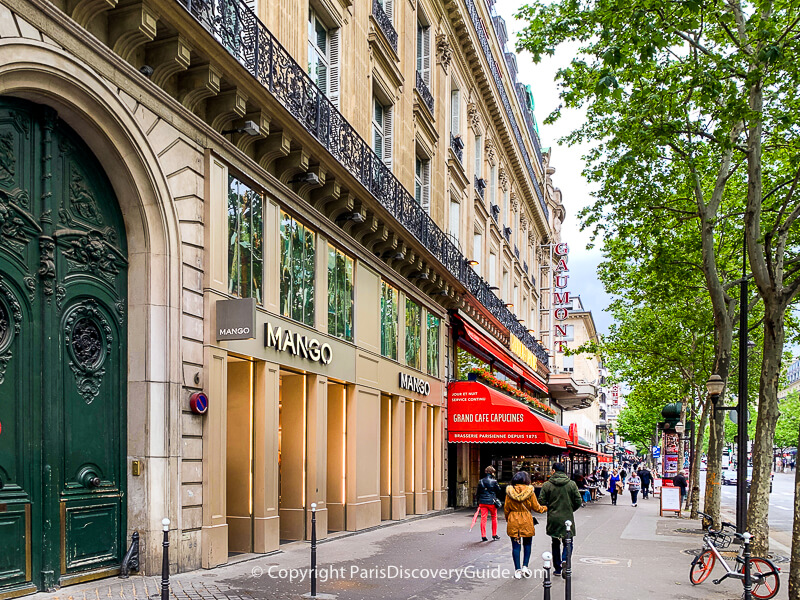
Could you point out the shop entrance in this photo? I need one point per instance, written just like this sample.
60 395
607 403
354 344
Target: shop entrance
336 457
292 425
240 455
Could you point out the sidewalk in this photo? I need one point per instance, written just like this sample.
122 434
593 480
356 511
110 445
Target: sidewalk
620 553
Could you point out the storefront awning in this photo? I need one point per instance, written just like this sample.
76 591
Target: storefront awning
477 413
604 458
502 355
579 448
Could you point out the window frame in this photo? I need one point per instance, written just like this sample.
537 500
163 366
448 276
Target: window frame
385 286
334 294
308 303
256 226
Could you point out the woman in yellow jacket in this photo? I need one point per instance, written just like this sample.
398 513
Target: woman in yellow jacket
520 501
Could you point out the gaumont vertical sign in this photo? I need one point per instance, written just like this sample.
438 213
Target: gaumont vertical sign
560 295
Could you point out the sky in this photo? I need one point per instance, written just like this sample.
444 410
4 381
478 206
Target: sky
568 164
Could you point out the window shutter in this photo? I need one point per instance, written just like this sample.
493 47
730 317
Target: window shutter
426 56
455 109
333 56
426 186
387 135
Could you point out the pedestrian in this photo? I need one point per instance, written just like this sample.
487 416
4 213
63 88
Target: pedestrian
623 474
634 485
488 502
561 497
614 486
680 481
647 478
604 475
520 501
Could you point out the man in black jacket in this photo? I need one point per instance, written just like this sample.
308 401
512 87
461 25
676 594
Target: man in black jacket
487 494
647 478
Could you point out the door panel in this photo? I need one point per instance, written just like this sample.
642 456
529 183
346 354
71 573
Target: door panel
63 350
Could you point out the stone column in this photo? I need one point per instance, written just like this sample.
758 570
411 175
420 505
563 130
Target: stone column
316 452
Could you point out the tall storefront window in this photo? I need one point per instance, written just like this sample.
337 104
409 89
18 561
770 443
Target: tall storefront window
245 241
340 294
433 327
413 334
389 319
297 270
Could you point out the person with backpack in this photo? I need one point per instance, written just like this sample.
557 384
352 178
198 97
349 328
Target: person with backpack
561 497
488 490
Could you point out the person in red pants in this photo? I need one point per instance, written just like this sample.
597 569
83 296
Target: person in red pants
487 501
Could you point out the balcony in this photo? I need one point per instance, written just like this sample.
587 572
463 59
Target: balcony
424 92
480 185
457 146
385 23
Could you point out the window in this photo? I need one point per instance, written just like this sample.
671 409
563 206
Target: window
340 294
506 289
506 214
433 329
413 334
467 361
569 364
455 218
532 324
388 321
570 335
245 241
515 296
478 156
477 250
424 53
493 268
422 182
455 112
297 270
524 310
382 131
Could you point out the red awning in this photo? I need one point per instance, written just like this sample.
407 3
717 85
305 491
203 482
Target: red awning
583 449
477 413
502 355
604 458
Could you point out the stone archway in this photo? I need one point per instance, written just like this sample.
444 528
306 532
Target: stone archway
46 75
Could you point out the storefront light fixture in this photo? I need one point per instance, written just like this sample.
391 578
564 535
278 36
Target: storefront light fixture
493 288
356 217
249 127
509 305
471 262
394 254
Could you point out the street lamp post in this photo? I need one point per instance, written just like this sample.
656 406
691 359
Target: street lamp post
715 385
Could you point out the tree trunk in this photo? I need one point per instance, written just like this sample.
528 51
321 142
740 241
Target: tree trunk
694 482
758 510
794 569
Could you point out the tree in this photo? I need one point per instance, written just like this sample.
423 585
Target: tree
637 423
789 423
709 93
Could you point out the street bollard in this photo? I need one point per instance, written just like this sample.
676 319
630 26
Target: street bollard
547 557
165 562
314 550
568 562
748 581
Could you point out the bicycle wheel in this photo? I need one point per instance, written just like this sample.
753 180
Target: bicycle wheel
766 574
702 567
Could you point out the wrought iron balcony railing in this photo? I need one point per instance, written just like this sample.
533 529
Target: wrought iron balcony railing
385 23
457 146
424 92
480 185
236 28
480 29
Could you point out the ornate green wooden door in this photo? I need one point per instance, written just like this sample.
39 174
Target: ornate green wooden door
63 275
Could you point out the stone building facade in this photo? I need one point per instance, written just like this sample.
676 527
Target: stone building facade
357 171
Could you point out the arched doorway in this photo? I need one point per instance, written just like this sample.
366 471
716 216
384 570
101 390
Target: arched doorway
63 356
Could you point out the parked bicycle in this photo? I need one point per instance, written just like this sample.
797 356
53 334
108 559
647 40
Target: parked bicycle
764 575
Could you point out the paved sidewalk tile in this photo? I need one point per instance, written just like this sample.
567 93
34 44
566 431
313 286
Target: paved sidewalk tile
621 553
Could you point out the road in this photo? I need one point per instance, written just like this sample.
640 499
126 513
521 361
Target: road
781 504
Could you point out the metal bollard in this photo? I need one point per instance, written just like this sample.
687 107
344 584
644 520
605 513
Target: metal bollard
568 562
313 549
547 557
165 562
748 581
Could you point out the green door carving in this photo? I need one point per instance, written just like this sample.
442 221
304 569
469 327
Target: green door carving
63 278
